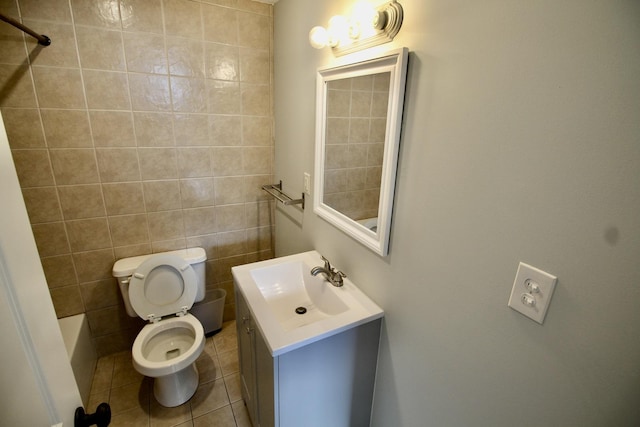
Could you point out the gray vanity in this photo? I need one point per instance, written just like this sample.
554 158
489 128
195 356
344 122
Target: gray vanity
311 368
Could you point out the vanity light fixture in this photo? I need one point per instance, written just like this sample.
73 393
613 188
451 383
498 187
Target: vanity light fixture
366 27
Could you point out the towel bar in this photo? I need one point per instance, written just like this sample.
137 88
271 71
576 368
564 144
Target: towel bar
276 191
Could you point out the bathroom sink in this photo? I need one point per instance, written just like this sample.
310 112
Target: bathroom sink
292 308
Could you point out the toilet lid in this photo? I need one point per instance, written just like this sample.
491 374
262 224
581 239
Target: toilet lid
162 285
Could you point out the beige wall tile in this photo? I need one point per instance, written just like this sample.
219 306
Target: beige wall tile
93 265
194 162
226 161
337 130
62 53
197 192
145 53
259 239
188 94
256 7
107 320
230 217
11 39
162 195
257 131
33 167
185 57
253 187
168 245
96 13
220 24
226 130
132 250
256 30
232 243
81 201
222 62
74 166
23 128
123 198
59 271
377 130
208 242
158 163
88 234
338 103
118 164
359 130
53 10
51 239
224 97
141 15
129 229
66 128
100 294
199 221
153 129
165 225
20 93
255 66
67 301
259 214
42 204
182 18
112 129
58 87
229 190
191 129
256 100
106 90
149 92
379 105
256 160
100 49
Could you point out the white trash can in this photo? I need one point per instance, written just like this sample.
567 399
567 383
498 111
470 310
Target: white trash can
210 311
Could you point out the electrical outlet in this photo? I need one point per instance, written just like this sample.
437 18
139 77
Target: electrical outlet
307 183
532 292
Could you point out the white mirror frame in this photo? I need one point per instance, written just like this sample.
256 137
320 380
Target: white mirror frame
394 62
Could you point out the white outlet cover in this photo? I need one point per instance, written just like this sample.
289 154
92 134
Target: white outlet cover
524 287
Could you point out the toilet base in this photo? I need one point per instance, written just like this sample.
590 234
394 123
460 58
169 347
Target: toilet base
175 389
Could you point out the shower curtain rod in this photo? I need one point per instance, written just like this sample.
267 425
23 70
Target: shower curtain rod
42 39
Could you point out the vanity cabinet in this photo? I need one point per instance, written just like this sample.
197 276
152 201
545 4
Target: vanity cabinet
325 383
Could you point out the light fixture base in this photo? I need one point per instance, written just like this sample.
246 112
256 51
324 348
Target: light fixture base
390 17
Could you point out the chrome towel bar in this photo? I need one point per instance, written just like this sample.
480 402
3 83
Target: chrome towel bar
276 191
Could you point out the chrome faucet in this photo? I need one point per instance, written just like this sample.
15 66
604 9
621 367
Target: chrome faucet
330 274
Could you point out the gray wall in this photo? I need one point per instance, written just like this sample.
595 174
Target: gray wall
521 142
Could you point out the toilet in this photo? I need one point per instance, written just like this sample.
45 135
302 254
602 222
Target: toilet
161 288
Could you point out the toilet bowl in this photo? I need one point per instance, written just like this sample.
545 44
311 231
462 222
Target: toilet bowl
161 288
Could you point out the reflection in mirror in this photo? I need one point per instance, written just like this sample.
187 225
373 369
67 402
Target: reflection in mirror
354 145
359 111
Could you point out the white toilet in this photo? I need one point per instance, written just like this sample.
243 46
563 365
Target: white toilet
161 288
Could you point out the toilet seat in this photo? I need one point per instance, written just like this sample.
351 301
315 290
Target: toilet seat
162 285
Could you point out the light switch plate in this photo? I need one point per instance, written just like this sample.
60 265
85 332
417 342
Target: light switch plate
532 291
307 183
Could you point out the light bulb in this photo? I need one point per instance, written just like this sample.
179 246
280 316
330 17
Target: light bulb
319 37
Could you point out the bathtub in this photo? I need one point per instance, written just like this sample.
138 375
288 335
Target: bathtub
82 354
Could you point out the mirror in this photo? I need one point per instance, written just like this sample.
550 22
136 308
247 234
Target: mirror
358 118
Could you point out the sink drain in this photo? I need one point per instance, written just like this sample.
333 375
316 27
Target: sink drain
301 310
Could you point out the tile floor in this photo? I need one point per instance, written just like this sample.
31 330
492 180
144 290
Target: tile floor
217 402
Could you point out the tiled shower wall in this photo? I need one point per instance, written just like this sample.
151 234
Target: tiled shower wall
146 126
356 125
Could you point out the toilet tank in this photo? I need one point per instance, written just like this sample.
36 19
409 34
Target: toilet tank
125 267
